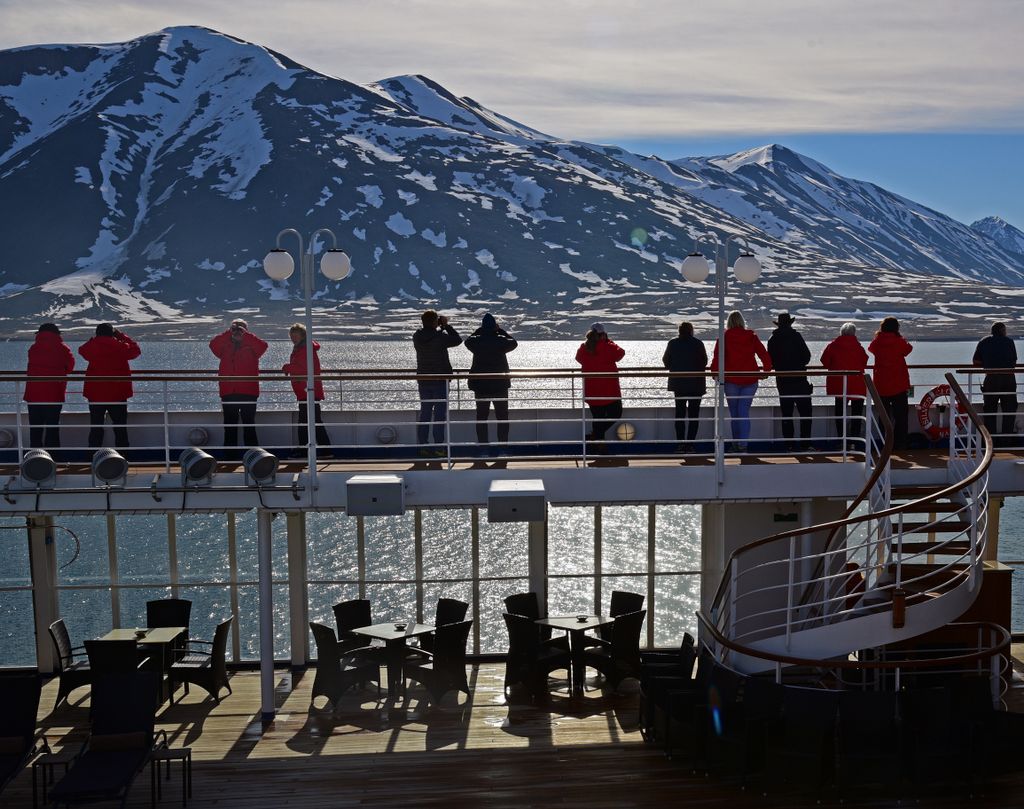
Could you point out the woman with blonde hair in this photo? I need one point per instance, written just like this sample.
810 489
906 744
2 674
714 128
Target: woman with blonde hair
743 349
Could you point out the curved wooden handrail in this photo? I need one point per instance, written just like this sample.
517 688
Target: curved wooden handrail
791 660
966 409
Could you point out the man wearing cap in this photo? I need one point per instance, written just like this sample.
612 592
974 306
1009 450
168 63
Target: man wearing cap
432 342
789 353
239 352
490 345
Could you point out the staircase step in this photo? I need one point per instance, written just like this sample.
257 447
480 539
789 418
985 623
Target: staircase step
944 527
939 507
913 492
944 548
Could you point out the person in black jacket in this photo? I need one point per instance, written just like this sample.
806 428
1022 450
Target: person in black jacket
432 342
490 345
686 353
999 389
789 352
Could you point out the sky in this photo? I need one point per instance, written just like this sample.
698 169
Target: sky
924 97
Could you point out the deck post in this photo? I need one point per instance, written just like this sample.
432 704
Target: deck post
298 597
42 553
264 535
537 556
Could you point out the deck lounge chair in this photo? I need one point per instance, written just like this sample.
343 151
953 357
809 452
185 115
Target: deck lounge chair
19 741
72 668
120 743
207 669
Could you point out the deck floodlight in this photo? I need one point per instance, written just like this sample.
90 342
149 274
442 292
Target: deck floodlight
38 468
260 466
695 268
336 264
278 264
197 467
747 268
109 467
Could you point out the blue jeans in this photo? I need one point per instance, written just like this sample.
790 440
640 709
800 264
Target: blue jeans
740 398
433 408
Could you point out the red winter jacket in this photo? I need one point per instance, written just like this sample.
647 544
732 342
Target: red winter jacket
891 374
845 353
296 368
238 359
742 350
48 356
600 390
109 356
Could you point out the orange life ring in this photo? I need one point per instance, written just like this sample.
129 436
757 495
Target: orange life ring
934 432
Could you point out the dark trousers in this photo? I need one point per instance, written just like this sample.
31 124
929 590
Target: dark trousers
896 407
803 407
118 418
239 409
44 426
854 412
604 417
687 417
1007 403
483 407
433 410
322 438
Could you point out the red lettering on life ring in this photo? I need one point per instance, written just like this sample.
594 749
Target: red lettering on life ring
934 432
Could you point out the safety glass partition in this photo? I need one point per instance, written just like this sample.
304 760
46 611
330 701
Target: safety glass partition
17 632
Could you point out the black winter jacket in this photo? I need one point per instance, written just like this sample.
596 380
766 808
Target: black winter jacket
490 349
997 352
686 354
432 349
789 352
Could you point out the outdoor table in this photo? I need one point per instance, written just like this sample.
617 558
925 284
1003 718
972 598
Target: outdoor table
394 646
161 639
575 627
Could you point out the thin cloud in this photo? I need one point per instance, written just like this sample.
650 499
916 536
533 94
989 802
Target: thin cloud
605 70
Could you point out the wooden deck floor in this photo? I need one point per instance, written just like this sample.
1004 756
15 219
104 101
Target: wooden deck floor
483 751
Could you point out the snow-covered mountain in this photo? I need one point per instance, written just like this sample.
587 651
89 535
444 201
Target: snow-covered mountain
144 181
1002 233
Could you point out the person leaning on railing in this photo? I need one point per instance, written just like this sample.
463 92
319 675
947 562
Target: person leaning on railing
490 345
598 354
999 389
431 343
686 353
296 369
239 352
846 353
108 355
47 356
789 352
892 377
743 349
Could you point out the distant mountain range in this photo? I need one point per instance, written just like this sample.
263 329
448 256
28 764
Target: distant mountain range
143 182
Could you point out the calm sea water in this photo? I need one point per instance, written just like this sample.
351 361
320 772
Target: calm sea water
142 541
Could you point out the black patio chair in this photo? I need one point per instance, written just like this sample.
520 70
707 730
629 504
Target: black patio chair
165 612
448 611
622 603
72 669
446 669
119 745
932 747
528 605
868 741
618 657
673 700
529 662
19 740
108 657
801 747
207 669
349 615
335 673
654 664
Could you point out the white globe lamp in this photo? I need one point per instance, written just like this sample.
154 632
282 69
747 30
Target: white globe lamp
336 264
747 269
695 268
278 265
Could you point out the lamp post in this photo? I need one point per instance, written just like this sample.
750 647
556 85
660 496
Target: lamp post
335 265
695 269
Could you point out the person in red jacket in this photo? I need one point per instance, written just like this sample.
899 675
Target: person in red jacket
48 356
891 376
598 354
743 348
846 353
239 352
108 354
296 369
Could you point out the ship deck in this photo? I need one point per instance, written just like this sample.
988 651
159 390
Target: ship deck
480 751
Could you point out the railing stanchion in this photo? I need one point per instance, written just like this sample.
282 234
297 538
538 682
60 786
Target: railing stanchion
789 590
18 420
167 429
843 436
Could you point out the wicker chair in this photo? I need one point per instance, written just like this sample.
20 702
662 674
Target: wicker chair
73 672
207 669
335 672
446 669
529 662
349 615
19 741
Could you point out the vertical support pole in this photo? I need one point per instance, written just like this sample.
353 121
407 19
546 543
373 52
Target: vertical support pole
537 558
995 504
721 262
172 553
264 537
307 288
652 512
598 563
789 588
361 554
42 555
418 561
167 428
236 641
115 590
18 423
298 591
475 574
844 415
